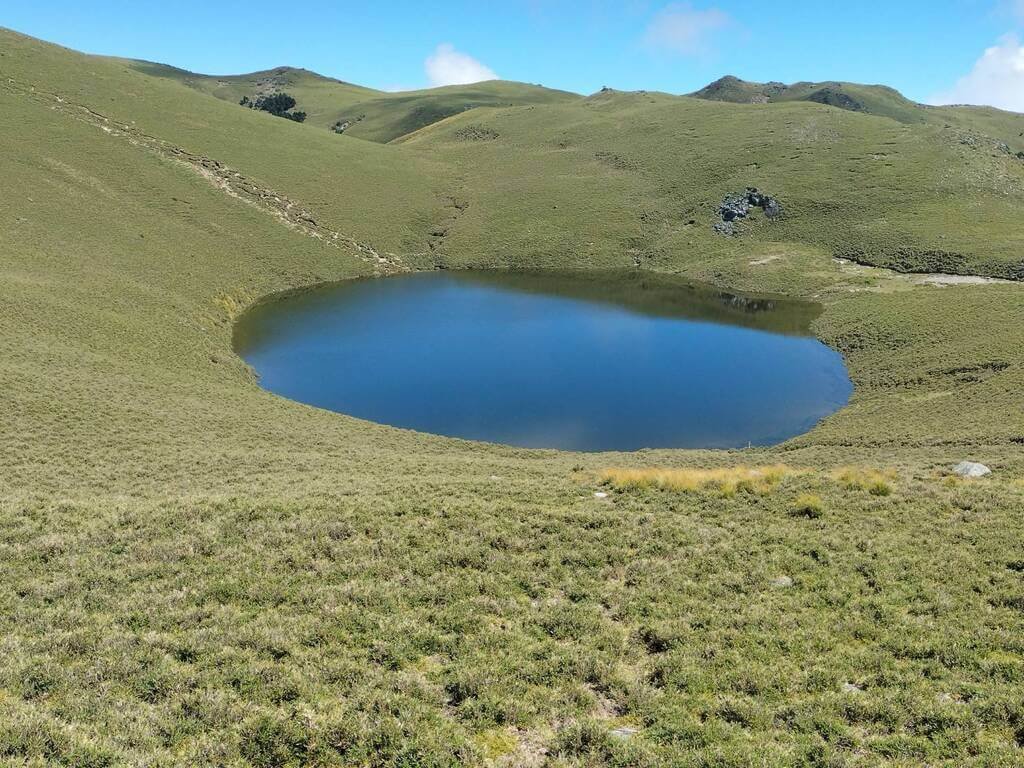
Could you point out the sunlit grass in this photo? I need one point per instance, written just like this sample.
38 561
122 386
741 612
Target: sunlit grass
752 479
875 481
807 505
496 742
198 573
232 305
725 480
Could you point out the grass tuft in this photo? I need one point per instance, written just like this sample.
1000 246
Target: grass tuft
232 305
726 481
874 481
496 742
807 505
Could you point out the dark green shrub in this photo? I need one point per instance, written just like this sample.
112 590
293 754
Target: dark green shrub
277 104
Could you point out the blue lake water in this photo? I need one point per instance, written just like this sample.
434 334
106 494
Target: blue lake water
586 361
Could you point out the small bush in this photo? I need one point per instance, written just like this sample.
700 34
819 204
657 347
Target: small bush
277 104
807 505
275 741
879 488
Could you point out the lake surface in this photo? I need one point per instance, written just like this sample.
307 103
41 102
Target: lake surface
583 361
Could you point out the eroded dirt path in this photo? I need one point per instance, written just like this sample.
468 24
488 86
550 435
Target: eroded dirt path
228 180
889 279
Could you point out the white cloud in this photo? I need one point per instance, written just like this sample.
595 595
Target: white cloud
446 66
681 28
997 79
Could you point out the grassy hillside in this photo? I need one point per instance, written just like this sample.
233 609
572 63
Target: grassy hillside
389 117
197 572
320 97
869 99
358 111
993 124
632 178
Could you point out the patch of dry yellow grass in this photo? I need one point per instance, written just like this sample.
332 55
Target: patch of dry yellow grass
725 480
877 482
233 305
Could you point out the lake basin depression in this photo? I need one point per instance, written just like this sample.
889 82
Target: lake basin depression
576 361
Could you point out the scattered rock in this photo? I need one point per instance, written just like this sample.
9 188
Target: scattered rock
772 208
983 142
343 125
782 581
600 495
971 469
944 698
851 688
736 207
623 733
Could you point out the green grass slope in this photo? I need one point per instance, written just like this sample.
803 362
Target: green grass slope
196 572
320 97
358 111
995 125
390 117
637 178
870 99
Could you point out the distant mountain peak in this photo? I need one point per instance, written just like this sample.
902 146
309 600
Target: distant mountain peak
733 89
853 97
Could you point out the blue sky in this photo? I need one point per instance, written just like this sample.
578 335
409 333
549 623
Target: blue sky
952 50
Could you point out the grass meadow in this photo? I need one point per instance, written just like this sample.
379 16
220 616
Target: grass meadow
196 572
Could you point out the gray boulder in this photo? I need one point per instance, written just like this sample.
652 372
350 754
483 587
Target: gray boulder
734 207
971 469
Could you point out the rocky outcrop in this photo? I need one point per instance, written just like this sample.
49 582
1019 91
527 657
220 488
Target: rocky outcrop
733 89
341 126
836 98
736 207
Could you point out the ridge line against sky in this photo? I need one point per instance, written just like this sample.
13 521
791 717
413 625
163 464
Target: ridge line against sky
945 51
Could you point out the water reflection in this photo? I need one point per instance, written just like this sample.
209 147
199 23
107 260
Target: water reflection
585 361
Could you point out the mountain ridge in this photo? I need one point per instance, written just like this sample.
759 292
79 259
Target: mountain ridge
360 111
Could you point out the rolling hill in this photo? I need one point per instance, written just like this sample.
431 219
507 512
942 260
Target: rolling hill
393 116
197 572
357 111
872 100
